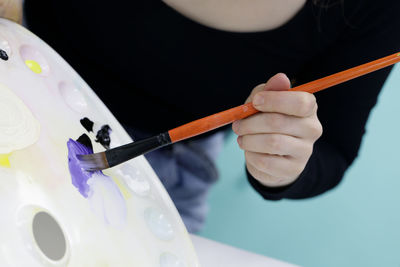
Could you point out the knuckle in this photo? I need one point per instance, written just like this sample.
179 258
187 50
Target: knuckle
320 130
316 130
306 104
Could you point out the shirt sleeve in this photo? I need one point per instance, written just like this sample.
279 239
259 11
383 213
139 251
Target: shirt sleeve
344 109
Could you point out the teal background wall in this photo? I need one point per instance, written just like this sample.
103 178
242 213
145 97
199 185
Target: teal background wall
356 224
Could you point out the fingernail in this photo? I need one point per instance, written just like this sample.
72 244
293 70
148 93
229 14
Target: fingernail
235 126
258 100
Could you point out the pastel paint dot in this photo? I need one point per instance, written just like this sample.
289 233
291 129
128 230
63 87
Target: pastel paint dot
170 260
34 60
4 161
133 179
73 97
18 127
106 200
104 196
125 193
34 66
79 176
159 224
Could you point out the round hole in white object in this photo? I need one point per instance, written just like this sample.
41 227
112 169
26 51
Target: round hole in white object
159 224
34 60
49 236
170 260
73 97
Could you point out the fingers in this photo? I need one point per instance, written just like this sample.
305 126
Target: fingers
300 104
274 96
273 170
279 82
275 144
268 123
279 140
256 90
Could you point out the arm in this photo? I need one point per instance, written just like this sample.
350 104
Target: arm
11 9
343 110
344 121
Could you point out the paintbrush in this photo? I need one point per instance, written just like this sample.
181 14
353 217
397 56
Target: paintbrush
118 155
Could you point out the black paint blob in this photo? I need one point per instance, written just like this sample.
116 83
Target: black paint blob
87 124
3 55
85 140
103 136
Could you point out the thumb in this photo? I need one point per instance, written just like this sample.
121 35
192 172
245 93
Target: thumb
278 82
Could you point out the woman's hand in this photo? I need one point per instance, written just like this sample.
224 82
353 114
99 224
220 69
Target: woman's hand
279 140
11 9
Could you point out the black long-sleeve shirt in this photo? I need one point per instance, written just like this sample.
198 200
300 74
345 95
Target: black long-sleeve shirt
144 56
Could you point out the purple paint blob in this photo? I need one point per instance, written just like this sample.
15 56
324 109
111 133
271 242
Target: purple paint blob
79 176
103 194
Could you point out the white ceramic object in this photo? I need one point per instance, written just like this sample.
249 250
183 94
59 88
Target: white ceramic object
128 220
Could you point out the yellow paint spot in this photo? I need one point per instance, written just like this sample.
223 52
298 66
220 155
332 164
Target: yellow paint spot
398 54
4 160
125 193
34 66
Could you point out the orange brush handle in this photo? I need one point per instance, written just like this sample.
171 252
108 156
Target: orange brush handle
211 122
228 116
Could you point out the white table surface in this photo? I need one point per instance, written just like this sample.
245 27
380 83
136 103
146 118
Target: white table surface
214 254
